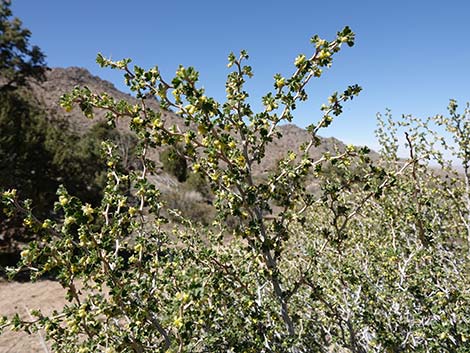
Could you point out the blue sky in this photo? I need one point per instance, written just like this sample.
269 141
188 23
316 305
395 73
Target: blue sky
410 56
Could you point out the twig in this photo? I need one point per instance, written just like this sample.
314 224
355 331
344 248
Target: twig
42 341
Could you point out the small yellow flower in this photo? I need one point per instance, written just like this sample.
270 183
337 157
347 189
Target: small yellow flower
63 200
46 224
178 322
157 123
203 99
74 269
226 180
280 82
82 312
68 243
10 193
241 161
69 220
87 210
191 109
321 42
299 60
185 297
138 120
201 129
324 54
71 323
215 177
24 254
182 296
187 138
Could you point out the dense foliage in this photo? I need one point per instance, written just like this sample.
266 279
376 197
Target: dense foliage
375 261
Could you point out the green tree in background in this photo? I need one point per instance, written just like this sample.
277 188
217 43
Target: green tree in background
19 61
23 156
25 162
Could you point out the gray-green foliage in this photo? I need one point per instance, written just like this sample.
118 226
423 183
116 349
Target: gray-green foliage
373 262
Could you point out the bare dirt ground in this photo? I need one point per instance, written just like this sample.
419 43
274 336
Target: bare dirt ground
20 298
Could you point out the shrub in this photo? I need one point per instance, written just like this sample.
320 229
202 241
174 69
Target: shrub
375 263
197 182
188 205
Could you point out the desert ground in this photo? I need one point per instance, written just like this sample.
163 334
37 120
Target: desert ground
20 298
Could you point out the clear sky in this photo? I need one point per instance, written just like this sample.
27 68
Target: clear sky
410 56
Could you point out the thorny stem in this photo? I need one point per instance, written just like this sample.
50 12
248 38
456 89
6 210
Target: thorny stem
258 215
416 194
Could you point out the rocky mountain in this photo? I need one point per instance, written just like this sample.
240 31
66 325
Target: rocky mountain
61 80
